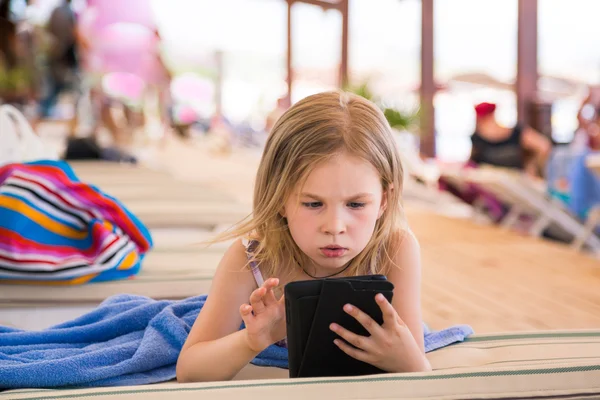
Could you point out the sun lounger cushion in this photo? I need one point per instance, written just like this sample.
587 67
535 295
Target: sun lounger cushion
548 365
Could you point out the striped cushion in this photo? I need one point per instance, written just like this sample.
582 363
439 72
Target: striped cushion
549 365
55 229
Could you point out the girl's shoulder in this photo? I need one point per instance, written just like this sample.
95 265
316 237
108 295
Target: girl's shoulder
251 244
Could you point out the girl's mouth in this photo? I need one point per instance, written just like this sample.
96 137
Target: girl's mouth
333 251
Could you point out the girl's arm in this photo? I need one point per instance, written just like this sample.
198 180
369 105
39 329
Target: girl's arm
406 277
216 349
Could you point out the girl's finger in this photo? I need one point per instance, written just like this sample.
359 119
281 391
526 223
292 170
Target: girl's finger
365 320
246 313
351 351
390 316
360 342
256 300
269 285
270 298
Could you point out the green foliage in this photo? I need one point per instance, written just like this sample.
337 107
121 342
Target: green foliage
402 120
398 119
15 80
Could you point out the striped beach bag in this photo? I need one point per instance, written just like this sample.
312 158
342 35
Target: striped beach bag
55 229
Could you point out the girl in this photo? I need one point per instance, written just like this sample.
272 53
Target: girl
327 202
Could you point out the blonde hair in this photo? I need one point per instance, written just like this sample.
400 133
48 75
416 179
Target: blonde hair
313 130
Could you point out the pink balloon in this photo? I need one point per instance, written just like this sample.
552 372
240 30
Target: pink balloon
191 88
125 86
127 36
185 115
123 38
111 11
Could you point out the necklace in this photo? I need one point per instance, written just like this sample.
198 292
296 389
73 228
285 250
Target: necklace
324 277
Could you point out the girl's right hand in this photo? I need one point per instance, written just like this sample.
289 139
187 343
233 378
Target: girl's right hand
264 317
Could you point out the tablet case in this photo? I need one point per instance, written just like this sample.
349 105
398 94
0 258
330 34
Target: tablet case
311 306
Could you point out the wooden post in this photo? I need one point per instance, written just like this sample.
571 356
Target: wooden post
219 83
289 78
427 90
340 5
527 71
343 78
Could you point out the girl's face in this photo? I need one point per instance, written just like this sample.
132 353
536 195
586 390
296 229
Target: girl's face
332 218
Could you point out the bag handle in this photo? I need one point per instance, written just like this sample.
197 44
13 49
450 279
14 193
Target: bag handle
9 138
18 140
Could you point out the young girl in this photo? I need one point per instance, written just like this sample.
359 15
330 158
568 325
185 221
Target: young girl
327 203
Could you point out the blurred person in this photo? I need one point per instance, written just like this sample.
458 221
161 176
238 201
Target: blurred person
120 43
16 74
517 148
280 108
8 33
520 148
62 57
587 135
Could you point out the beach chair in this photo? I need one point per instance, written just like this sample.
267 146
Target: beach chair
421 181
527 198
535 365
159 199
167 273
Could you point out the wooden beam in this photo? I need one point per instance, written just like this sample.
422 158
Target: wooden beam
289 78
427 90
340 5
343 79
527 66
325 4
219 83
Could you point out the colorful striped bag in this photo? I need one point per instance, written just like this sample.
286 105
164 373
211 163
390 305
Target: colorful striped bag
55 229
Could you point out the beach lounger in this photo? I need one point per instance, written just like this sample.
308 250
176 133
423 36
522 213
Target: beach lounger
525 198
179 265
130 182
160 199
188 214
537 365
169 274
421 181
166 274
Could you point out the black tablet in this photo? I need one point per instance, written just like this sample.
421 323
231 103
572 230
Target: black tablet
311 306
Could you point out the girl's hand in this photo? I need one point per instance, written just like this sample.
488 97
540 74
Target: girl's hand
391 346
264 317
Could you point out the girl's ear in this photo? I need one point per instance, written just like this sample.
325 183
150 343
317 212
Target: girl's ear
384 200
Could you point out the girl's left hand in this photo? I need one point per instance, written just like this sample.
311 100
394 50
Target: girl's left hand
391 346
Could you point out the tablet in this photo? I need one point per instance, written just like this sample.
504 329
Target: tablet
311 306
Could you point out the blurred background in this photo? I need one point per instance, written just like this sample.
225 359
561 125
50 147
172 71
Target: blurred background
495 105
241 60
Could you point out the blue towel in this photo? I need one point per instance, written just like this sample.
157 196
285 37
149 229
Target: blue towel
572 182
126 340
585 188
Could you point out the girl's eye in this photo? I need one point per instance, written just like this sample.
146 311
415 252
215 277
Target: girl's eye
314 204
356 205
